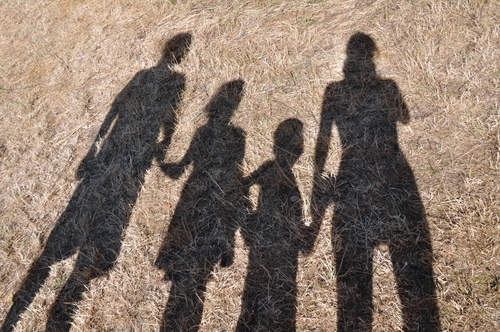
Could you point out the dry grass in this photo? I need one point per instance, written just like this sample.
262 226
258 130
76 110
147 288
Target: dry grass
63 62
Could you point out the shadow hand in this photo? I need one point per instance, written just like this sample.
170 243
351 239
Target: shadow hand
227 258
173 171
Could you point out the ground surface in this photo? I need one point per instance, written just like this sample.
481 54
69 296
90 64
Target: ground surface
63 63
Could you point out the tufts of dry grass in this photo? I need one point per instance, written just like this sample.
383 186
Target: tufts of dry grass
63 64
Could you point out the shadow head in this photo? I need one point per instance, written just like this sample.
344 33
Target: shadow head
361 50
289 141
225 101
176 48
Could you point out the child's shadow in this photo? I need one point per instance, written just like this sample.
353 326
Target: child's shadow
274 233
201 232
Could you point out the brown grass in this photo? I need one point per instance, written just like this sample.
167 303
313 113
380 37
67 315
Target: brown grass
62 63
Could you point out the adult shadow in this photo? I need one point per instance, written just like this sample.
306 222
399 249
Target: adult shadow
202 230
112 175
375 194
274 234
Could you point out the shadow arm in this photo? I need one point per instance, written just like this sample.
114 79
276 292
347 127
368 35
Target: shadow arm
175 170
321 191
401 112
170 96
86 163
253 178
168 129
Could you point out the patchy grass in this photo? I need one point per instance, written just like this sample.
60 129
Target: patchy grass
64 62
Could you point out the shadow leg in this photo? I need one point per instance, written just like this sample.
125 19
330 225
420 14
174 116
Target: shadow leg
37 275
283 293
65 306
354 285
251 297
412 264
185 304
61 244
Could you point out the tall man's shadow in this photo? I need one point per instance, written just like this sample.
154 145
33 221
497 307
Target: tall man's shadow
112 175
274 233
375 194
202 230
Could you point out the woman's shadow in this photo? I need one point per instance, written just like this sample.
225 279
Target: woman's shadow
375 194
112 175
202 230
274 233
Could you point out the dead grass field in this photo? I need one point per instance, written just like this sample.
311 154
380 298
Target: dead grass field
63 63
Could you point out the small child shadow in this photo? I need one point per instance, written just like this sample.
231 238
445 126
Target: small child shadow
274 233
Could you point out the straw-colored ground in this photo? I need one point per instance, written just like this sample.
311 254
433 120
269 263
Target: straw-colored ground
63 63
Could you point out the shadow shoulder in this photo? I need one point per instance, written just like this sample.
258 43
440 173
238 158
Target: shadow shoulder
237 133
335 86
389 84
334 90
